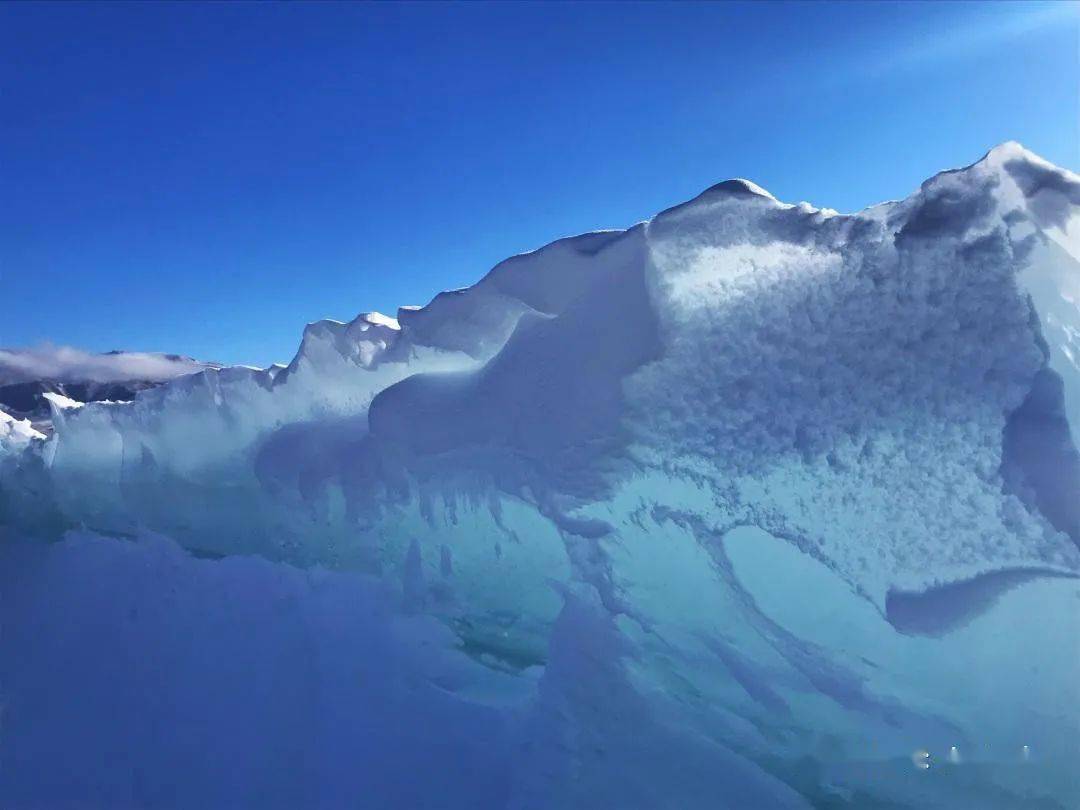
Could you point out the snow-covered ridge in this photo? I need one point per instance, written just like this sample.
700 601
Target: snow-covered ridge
16 434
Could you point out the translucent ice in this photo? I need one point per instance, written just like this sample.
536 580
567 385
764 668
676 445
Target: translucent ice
740 507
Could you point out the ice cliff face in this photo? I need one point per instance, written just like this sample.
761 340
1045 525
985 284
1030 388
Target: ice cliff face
791 472
857 384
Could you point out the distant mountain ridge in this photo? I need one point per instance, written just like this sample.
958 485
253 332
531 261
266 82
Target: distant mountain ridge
27 375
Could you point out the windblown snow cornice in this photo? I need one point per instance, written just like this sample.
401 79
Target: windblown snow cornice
896 392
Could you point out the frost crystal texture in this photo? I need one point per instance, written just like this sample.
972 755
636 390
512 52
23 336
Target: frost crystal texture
739 508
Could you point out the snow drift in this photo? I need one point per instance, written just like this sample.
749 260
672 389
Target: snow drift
740 507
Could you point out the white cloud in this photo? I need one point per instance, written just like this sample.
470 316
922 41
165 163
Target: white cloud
68 364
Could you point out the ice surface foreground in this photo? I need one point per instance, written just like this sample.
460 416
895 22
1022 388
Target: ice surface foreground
780 491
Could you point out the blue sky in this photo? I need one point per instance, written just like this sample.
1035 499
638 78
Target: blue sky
205 179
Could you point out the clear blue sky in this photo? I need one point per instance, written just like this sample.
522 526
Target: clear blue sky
205 179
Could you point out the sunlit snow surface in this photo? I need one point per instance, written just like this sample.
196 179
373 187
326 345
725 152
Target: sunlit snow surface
751 505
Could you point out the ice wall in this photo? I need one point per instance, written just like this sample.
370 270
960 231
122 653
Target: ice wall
784 488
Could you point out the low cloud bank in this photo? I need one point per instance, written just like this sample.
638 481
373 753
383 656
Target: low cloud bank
68 364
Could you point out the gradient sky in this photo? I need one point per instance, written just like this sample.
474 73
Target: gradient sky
206 178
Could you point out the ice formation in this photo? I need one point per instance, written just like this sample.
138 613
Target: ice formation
739 507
